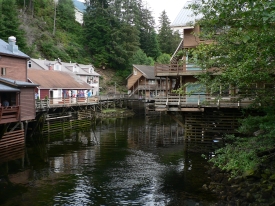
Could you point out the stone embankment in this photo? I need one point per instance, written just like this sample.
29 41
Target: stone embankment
253 188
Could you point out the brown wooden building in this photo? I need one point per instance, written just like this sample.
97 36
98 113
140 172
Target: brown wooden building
143 83
17 95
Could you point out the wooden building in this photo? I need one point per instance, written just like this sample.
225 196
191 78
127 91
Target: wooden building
143 83
17 95
85 72
58 85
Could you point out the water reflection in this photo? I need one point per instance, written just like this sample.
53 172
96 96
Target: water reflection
118 162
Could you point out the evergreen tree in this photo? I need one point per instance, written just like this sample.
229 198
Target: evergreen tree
97 31
148 37
66 15
165 35
10 23
140 58
112 37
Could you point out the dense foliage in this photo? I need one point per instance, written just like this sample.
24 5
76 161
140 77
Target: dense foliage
239 47
115 34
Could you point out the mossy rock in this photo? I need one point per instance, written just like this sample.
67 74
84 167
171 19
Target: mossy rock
252 174
272 177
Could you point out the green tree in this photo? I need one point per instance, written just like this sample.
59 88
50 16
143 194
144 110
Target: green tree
164 59
239 51
165 35
109 29
148 38
141 58
66 15
98 31
10 23
242 50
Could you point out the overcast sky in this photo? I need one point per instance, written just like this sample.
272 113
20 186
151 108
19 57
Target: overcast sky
172 8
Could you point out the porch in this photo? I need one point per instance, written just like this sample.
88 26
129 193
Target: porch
172 70
9 114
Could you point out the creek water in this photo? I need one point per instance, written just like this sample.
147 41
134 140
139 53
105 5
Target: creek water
124 161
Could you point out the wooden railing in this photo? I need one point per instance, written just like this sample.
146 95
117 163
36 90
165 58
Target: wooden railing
176 69
9 114
74 101
176 102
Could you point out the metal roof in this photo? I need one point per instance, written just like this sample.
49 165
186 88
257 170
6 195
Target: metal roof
186 17
5 51
17 83
5 88
147 71
48 79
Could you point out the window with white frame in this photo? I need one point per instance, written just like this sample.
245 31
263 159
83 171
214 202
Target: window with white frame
151 81
135 72
3 71
57 67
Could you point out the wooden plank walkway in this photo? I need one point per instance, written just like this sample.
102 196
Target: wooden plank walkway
51 103
197 103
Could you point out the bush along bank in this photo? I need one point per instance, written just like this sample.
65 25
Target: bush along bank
109 113
254 187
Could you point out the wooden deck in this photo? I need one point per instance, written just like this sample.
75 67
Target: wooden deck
197 103
9 114
166 70
45 104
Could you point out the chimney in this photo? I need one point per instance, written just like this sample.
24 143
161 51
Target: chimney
12 45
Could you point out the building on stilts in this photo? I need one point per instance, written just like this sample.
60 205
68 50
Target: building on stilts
17 98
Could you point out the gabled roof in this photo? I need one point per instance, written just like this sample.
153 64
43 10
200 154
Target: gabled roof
5 51
49 79
147 71
186 17
66 67
41 63
85 67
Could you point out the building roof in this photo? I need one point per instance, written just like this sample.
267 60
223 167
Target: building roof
41 63
186 17
16 83
6 88
49 79
5 51
147 71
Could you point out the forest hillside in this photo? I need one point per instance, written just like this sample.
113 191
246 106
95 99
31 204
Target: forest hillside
114 34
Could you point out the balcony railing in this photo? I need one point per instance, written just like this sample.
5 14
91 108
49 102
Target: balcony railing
177 102
74 101
176 69
9 114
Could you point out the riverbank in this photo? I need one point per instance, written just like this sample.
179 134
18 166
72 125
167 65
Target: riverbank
110 113
255 187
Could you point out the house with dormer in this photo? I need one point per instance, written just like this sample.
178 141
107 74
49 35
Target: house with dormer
81 73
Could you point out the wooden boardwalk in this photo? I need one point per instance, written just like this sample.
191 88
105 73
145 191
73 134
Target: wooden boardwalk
100 101
197 103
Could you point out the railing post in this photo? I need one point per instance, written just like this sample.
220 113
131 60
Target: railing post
199 101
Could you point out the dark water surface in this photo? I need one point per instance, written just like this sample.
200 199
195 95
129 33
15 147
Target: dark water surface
130 161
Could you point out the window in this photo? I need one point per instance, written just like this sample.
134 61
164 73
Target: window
57 67
151 82
135 72
29 64
3 71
